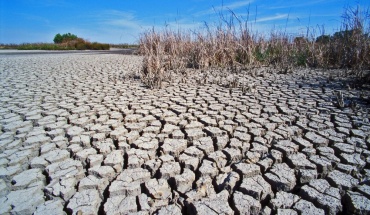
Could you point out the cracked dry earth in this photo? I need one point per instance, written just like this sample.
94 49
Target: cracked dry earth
78 138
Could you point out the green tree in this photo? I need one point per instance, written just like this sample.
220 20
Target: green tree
68 37
64 38
58 38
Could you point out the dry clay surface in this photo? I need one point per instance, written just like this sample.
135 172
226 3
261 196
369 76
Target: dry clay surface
78 138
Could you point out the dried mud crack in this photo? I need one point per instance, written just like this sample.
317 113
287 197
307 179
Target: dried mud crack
79 137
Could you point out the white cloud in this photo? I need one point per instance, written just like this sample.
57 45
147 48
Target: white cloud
232 6
114 26
235 5
273 18
123 23
117 18
183 24
118 13
294 4
124 27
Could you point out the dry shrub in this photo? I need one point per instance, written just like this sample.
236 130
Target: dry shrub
81 44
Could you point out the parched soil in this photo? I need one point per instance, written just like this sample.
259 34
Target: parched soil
80 135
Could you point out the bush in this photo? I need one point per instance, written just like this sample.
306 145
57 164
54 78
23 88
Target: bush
40 46
99 46
324 39
124 46
81 45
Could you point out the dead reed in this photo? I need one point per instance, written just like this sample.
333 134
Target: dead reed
232 44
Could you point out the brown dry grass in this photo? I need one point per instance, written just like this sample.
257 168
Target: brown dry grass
232 44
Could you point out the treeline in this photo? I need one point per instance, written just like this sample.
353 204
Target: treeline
66 41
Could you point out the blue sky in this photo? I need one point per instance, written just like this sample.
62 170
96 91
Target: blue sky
122 21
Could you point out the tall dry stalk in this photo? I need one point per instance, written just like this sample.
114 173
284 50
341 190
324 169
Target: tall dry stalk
232 44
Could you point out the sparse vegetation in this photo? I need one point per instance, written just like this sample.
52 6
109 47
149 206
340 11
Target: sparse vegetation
78 44
124 46
8 46
41 46
233 44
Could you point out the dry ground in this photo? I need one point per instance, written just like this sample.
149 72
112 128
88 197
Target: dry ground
77 135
